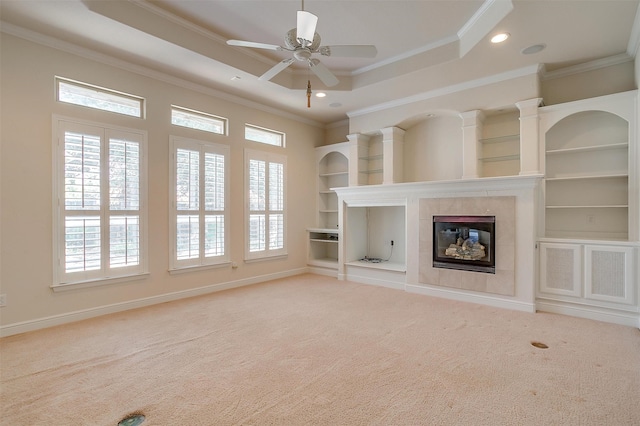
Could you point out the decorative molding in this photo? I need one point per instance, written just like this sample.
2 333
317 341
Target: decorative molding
85 53
631 319
40 323
448 90
634 39
462 296
586 66
445 188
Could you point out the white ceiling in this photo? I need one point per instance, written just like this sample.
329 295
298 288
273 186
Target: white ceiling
422 45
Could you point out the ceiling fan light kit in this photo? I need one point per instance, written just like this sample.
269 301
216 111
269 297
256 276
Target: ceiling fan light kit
303 42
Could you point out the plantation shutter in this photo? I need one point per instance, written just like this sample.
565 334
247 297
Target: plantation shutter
266 204
199 174
99 187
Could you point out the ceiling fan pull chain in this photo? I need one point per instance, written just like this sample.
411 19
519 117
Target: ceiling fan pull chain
308 93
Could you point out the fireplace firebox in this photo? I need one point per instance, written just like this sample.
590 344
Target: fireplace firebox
465 243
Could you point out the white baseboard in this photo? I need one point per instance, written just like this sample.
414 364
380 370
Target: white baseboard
481 299
631 319
318 270
40 323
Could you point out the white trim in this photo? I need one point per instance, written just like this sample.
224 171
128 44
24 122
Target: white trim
98 282
634 38
186 269
40 323
462 296
631 319
455 88
586 66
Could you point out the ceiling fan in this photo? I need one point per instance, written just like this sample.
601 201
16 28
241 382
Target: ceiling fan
303 41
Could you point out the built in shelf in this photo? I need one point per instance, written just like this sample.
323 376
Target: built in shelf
491 159
323 240
500 139
384 265
616 206
334 174
372 157
588 148
591 176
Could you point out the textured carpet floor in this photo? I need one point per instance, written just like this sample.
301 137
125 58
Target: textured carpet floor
312 350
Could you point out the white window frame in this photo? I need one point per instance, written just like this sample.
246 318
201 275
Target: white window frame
106 273
267 252
199 116
101 95
202 147
280 136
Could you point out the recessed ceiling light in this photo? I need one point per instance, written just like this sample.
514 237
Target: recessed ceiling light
499 38
533 49
321 95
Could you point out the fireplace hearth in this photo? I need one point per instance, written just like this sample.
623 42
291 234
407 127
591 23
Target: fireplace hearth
464 243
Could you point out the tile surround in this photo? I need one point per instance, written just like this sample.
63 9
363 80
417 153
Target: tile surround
504 209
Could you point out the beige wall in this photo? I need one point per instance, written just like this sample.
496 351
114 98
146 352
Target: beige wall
28 103
589 84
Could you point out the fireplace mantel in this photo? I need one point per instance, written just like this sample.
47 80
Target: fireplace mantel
512 288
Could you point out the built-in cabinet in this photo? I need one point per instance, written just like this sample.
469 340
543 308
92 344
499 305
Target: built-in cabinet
586 210
589 279
589 223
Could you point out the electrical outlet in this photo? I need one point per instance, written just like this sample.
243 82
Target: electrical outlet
3 300
391 242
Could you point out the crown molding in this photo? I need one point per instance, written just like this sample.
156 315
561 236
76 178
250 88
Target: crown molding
586 66
467 85
634 40
85 53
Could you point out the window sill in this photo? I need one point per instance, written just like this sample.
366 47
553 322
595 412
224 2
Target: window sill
194 268
98 282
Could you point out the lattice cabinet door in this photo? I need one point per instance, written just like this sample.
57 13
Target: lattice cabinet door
609 274
561 269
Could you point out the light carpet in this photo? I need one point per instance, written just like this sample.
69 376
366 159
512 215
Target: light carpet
311 350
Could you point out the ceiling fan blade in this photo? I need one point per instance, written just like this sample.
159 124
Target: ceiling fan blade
323 73
242 43
350 50
306 27
276 69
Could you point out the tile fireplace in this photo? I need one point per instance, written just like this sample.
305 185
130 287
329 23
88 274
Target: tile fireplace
464 243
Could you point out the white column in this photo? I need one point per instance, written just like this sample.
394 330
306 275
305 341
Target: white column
471 135
529 136
392 154
358 152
